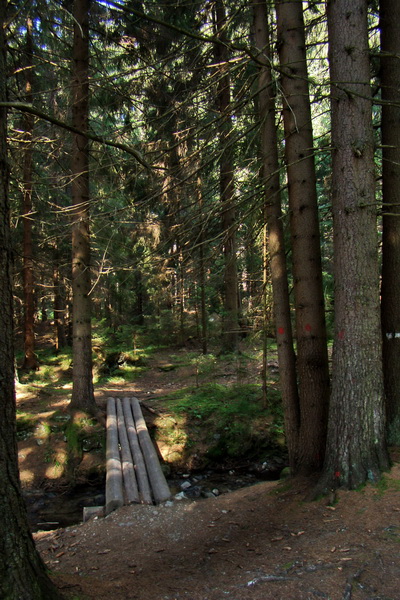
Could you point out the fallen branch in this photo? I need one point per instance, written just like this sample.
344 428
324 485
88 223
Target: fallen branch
267 578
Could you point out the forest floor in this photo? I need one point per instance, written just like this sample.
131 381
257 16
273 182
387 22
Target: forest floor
261 542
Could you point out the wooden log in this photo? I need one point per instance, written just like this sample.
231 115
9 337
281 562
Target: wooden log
140 467
128 472
159 486
114 489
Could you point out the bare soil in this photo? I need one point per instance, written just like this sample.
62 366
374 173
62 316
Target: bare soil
260 542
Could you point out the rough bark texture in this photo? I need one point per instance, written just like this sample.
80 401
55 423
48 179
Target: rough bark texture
82 393
312 355
22 573
356 449
30 360
231 318
390 84
275 241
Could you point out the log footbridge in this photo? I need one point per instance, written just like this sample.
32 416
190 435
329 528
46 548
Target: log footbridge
134 473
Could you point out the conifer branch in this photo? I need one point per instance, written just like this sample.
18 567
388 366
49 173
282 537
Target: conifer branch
29 108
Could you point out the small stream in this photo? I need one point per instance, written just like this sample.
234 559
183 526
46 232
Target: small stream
51 510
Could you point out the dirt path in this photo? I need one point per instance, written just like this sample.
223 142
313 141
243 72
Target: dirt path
262 542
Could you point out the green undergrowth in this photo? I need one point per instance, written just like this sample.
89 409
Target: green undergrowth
230 422
118 356
54 371
60 441
385 484
26 423
214 420
82 434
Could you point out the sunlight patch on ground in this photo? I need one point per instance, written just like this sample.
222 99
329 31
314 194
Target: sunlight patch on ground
57 468
27 476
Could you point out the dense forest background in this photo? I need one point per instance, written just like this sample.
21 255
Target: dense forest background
206 173
219 172
187 156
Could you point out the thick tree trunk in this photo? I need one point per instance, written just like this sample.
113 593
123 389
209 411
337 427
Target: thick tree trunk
30 359
231 308
356 450
276 243
82 392
390 85
312 354
22 573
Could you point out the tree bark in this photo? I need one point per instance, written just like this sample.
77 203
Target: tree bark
202 270
231 308
390 306
30 359
59 301
275 240
82 392
140 296
22 573
312 354
356 450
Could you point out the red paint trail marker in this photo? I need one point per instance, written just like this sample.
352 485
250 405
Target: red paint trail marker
281 330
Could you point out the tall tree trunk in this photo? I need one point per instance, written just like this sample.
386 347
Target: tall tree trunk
276 242
312 354
356 450
231 317
180 274
203 307
59 301
82 392
30 359
22 573
265 315
390 85
140 297
202 269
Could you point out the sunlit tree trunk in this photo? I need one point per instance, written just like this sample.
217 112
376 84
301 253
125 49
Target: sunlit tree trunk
229 226
30 359
356 450
275 237
82 392
390 85
22 573
312 354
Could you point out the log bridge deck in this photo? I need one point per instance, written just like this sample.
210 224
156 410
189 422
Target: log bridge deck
133 469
